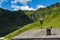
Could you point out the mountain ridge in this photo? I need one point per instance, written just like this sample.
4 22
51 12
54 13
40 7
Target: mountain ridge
10 21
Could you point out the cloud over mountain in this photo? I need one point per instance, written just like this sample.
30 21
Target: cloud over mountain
26 7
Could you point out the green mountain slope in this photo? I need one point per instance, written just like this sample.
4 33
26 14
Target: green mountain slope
11 21
50 14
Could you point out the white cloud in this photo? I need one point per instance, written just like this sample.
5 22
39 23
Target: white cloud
40 6
26 7
16 8
24 2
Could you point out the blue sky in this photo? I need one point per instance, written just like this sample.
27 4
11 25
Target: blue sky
15 5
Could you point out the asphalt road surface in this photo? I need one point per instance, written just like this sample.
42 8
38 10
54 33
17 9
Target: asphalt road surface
39 33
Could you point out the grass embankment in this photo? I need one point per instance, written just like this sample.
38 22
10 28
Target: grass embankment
52 20
35 25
